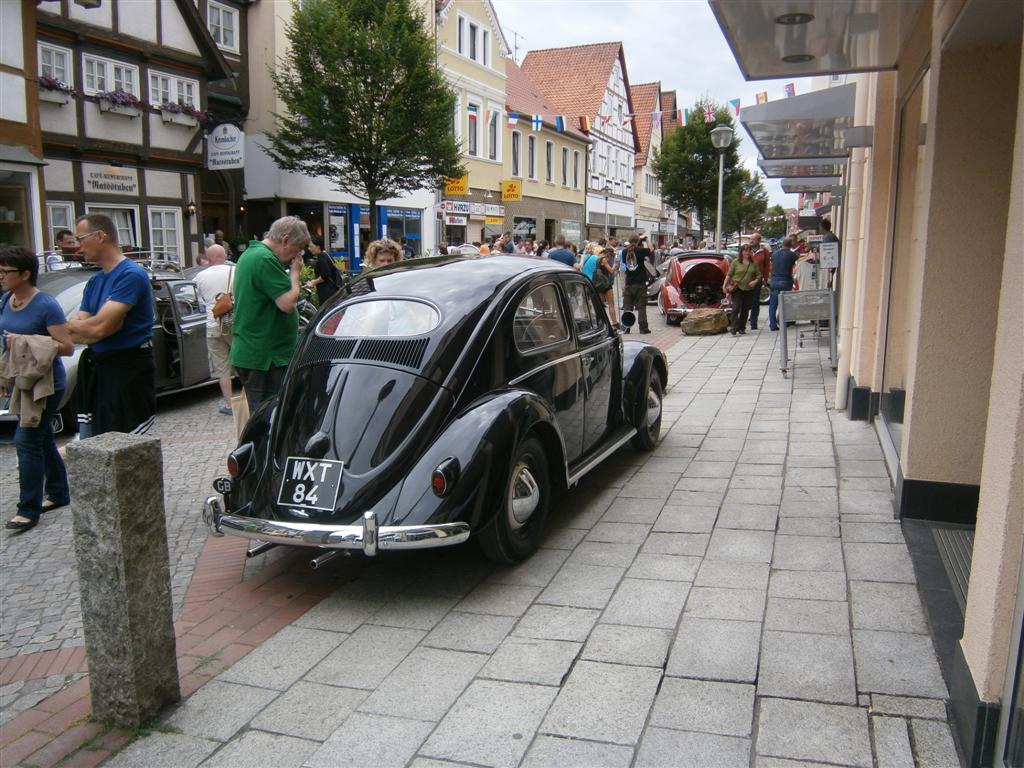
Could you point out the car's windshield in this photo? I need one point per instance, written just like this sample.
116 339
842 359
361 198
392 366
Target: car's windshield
381 317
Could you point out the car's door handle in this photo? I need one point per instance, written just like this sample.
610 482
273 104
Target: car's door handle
188 331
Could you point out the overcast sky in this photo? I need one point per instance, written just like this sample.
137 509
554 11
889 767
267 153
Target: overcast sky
675 41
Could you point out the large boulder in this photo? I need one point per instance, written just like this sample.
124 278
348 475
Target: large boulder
705 322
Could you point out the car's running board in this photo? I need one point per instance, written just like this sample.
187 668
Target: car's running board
622 436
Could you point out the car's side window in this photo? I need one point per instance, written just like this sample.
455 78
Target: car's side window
187 299
538 321
583 314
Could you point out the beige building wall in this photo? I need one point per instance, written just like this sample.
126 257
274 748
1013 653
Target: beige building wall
267 44
538 187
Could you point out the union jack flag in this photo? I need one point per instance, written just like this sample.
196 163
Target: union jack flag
709 113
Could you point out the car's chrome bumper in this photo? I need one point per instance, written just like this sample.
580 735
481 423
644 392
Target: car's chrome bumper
369 537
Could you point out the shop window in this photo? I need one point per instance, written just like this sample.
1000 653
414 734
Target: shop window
109 75
406 222
549 161
517 140
222 22
165 232
531 156
125 220
59 216
55 63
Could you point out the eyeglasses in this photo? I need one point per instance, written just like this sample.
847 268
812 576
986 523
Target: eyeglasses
87 235
9 271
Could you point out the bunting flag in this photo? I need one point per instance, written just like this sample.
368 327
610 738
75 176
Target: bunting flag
735 105
656 115
686 116
585 124
627 119
790 89
762 97
513 119
471 109
709 113
537 122
605 119
560 123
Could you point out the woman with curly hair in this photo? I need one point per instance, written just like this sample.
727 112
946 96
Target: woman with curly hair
382 253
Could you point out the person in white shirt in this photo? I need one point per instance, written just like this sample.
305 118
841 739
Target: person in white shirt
213 281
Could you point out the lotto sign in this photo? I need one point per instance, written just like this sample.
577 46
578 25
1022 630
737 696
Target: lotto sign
511 191
456 186
494 221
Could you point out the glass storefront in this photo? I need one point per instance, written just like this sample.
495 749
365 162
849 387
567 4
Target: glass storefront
407 223
16 224
524 228
904 277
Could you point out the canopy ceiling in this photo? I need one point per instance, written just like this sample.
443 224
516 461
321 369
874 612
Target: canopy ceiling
793 166
810 125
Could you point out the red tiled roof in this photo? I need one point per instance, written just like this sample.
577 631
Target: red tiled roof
522 96
669 118
574 79
645 100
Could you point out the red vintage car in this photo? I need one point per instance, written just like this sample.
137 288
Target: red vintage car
693 280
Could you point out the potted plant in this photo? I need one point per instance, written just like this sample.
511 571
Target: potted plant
182 113
54 91
120 102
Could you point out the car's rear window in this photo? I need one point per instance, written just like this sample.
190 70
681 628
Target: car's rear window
380 317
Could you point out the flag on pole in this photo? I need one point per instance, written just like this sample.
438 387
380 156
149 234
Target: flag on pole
585 124
709 113
537 122
790 89
560 123
735 105
656 116
471 109
627 119
513 119
605 119
762 97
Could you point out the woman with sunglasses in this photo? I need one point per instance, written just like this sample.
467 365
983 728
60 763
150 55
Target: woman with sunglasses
26 311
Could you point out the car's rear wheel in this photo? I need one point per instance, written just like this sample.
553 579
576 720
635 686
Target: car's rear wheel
648 427
516 530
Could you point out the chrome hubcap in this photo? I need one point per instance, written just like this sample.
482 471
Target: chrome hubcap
524 496
653 407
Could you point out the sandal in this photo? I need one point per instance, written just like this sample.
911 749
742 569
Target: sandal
20 525
49 505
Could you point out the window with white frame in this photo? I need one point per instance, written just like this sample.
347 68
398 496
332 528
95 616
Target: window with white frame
565 167
576 170
517 140
461 35
165 231
549 162
531 164
222 21
59 215
109 75
170 88
473 138
55 62
125 218
485 48
492 134
473 32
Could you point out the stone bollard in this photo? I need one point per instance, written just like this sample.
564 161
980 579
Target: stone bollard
124 579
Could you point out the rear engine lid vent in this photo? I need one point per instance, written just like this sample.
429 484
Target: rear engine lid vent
404 352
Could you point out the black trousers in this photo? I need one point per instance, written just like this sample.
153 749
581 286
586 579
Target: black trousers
743 301
634 298
118 391
260 386
755 308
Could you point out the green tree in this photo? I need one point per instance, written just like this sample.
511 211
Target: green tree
365 104
746 204
687 165
775 221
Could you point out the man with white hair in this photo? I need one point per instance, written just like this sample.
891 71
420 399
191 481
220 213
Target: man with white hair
266 324
213 282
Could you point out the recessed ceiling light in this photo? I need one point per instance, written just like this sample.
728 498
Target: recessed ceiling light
798 58
791 19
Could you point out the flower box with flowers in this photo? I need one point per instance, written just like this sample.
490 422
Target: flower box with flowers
120 103
54 91
181 114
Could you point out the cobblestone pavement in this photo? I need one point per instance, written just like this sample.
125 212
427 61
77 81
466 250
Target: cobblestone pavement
739 596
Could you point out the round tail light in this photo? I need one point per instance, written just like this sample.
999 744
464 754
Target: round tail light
443 479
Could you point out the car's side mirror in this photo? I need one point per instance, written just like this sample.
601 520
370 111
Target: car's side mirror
628 319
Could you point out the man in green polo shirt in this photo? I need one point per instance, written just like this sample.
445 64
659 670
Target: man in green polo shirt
266 325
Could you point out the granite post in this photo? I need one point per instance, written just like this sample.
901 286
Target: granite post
124 578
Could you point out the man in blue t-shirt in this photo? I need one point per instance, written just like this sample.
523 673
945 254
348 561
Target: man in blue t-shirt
561 253
118 393
783 261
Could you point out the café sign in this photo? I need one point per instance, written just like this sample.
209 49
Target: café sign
110 179
225 148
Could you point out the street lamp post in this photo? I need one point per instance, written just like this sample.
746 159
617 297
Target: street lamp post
721 137
606 191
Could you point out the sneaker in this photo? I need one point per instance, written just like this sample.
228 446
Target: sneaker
226 410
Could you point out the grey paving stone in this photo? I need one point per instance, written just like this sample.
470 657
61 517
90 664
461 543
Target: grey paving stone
905 706
624 532
364 740
866 502
803 730
635 510
491 723
702 484
664 748
887 606
564 538
606 702
761 761
390 645
618 554
808 526
669 543
646 603
338 613
218 710
807 553
758 471
257 748
429 762
748 517
413 611
470 632
702 468
741 546
164 750
892 742
812 477
860 468
582 586
679 519
642 646
424 686
309 710
666 567
696 499
878 562
275 664
877 484
828 510
810 447
807 494
732 575
723 603
529 660
742 497
897 663
498 599
814 616
881 533
535 572
558 752
547 622
808 585
701 705
805 666
715 649
934 745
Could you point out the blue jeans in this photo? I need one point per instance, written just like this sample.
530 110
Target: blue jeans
40 467
777 285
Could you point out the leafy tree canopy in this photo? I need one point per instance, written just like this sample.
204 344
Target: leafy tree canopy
775 222
365 105
687 165
746 204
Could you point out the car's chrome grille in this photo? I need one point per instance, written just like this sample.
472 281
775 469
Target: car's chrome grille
407 353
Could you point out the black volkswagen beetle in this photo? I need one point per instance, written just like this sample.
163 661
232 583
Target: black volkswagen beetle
436 399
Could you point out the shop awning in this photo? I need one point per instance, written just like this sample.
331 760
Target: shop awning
798 38
14 153
811 184
808 126
799 167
